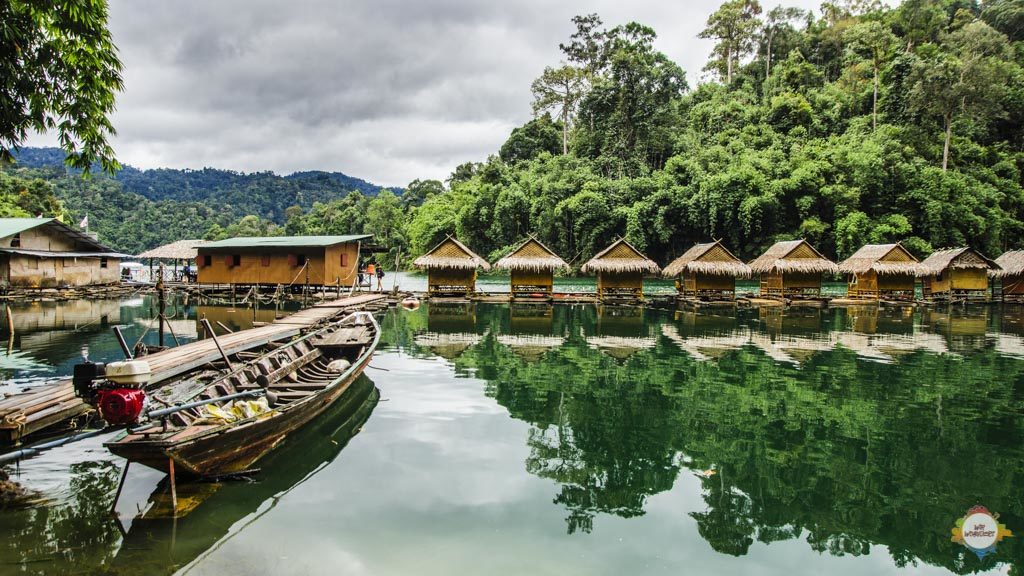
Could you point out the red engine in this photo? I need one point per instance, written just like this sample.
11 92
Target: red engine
120 405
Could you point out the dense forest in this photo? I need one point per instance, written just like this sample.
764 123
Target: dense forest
857 123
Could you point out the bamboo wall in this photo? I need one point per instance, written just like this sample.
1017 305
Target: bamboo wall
530 281
609 283
957 280
1013 285
442 281
871 285
707 285
776 284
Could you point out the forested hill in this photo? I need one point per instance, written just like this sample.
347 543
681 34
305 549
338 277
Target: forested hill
138 209
856 123
202 184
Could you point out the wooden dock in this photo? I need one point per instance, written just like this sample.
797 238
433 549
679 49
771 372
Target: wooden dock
51 404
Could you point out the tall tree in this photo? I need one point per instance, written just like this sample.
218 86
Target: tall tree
966 81
60 71
586 46
778 23
560 89
734 25
871 41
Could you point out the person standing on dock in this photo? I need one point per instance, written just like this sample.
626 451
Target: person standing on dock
380 278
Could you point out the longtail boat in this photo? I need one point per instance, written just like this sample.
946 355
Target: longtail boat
215 423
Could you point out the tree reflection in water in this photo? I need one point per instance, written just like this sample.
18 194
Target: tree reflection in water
834 448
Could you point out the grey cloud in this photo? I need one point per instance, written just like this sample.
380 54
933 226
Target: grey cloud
386 90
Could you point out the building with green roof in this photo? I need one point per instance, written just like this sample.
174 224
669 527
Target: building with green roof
284 260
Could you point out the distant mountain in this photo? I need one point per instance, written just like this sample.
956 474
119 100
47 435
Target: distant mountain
185 185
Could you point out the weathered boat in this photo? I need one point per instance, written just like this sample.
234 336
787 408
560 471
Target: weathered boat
215 424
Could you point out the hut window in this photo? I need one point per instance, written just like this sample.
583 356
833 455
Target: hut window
103 262
296 260
232 260
204 260
16 240
265 261
344 259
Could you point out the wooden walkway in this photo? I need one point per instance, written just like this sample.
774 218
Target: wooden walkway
51 404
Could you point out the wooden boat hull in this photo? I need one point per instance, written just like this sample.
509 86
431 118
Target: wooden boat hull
234 448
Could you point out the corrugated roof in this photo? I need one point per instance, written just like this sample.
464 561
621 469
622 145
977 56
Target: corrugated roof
284 241
53 254
12 226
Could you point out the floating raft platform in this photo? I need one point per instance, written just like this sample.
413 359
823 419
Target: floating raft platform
51 404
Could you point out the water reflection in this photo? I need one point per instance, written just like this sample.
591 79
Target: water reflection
842 428
78 534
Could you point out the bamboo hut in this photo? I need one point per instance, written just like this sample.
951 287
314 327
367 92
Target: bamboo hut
451 268
792 269
620 271
955 273
532 266
707 272
1010 276
180 251
881 271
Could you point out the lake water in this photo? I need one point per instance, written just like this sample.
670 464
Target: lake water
586 440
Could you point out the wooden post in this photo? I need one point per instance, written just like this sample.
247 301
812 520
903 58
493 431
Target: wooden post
174 488
161 304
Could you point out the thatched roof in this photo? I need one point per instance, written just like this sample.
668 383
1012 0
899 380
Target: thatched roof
793 256
692 262
955 258
180 250
872 257
621 256
451 254
531 256
1010 263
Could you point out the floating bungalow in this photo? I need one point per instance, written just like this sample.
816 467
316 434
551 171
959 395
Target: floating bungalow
792 269
955 273
881 271
532 266
707 272
281 260
1010 276
46 253
620 270
451 268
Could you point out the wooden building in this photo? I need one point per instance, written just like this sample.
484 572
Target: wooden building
792 269
451 268
955 273
707 272
532 266
1009 278
284 260
881 271
46 253
620 270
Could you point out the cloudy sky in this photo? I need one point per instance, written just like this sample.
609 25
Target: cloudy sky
385 90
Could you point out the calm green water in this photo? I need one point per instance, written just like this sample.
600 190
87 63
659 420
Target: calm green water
579 440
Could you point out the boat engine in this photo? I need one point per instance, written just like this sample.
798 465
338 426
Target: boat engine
115 389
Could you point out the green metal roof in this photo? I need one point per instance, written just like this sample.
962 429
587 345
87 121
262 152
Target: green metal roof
284 241
12 226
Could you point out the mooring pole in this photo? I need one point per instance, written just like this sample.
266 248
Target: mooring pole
213 336
174 488
161 304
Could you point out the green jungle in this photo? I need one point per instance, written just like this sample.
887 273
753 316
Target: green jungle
861 123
